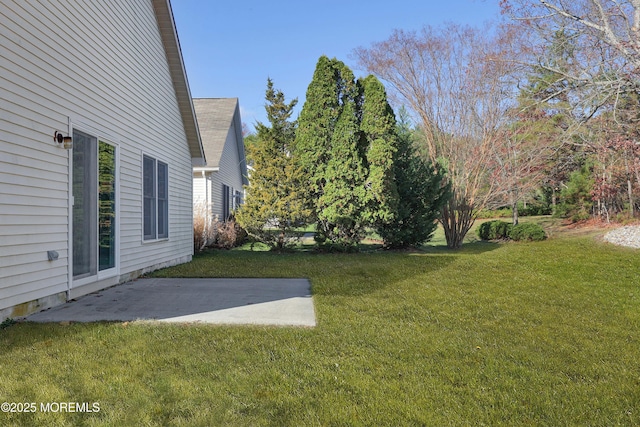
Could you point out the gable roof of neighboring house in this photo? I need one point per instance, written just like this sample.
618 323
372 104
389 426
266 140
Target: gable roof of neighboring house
171 43
216 118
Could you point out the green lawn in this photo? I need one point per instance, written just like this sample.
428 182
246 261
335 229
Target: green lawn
494 334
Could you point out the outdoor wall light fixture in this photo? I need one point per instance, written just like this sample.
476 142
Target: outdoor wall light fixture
66 141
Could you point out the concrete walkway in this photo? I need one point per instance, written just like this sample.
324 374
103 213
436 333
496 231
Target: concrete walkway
223 301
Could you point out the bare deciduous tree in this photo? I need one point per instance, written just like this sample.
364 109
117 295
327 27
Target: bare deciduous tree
603 37
525 149
605 42
457 84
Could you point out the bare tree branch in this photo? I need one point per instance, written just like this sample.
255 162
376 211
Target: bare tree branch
454 80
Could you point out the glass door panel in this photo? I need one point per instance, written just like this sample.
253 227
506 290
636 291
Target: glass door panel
84 205
94 205
107 205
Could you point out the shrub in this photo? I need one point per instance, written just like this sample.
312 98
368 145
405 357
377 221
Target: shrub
494 230
204 229
229 234
534 209
198 233
529 232
208 233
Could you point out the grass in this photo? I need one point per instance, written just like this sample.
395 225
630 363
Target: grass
541 333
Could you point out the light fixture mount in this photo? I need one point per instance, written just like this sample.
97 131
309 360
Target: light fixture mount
66 141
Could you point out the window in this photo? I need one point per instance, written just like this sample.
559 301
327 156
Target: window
231 200
226 202
237 199
155 189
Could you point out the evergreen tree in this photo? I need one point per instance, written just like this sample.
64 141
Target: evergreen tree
378 128
421 194
332 98
316 123
249 140
274 192
342 201
548 106
347 145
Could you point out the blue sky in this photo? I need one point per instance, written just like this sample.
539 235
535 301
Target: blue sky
230 48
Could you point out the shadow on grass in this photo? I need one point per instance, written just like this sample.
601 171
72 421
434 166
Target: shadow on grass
331 274
26 334
365 273
472 248
368 272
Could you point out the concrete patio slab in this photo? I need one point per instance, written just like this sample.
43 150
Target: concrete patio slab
283 302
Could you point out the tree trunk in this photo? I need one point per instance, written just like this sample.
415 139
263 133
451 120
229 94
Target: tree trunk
630 192
281 240
514 209
456 219
513 198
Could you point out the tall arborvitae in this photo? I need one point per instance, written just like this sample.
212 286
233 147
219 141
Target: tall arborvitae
316 123
342 203
378 128
332 88
421 192
274 193
347 145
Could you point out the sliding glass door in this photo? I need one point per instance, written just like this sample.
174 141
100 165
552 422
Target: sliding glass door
94 206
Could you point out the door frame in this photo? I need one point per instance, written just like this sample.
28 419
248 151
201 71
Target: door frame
107 138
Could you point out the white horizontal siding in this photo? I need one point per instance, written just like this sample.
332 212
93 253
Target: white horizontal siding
104 69
216 195
199 189
15 298
229 167
230 162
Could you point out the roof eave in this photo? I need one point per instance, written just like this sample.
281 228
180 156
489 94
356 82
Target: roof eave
169 36
240 141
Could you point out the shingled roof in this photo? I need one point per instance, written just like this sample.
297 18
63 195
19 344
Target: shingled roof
215 118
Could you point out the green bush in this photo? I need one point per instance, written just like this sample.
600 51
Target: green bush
529 232
494 230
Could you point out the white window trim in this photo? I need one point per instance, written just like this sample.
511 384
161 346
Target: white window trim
156 160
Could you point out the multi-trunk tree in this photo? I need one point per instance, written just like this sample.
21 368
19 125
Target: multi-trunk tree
455 82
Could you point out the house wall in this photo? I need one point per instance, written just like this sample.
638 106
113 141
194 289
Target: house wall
202 201
228 171
100 67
